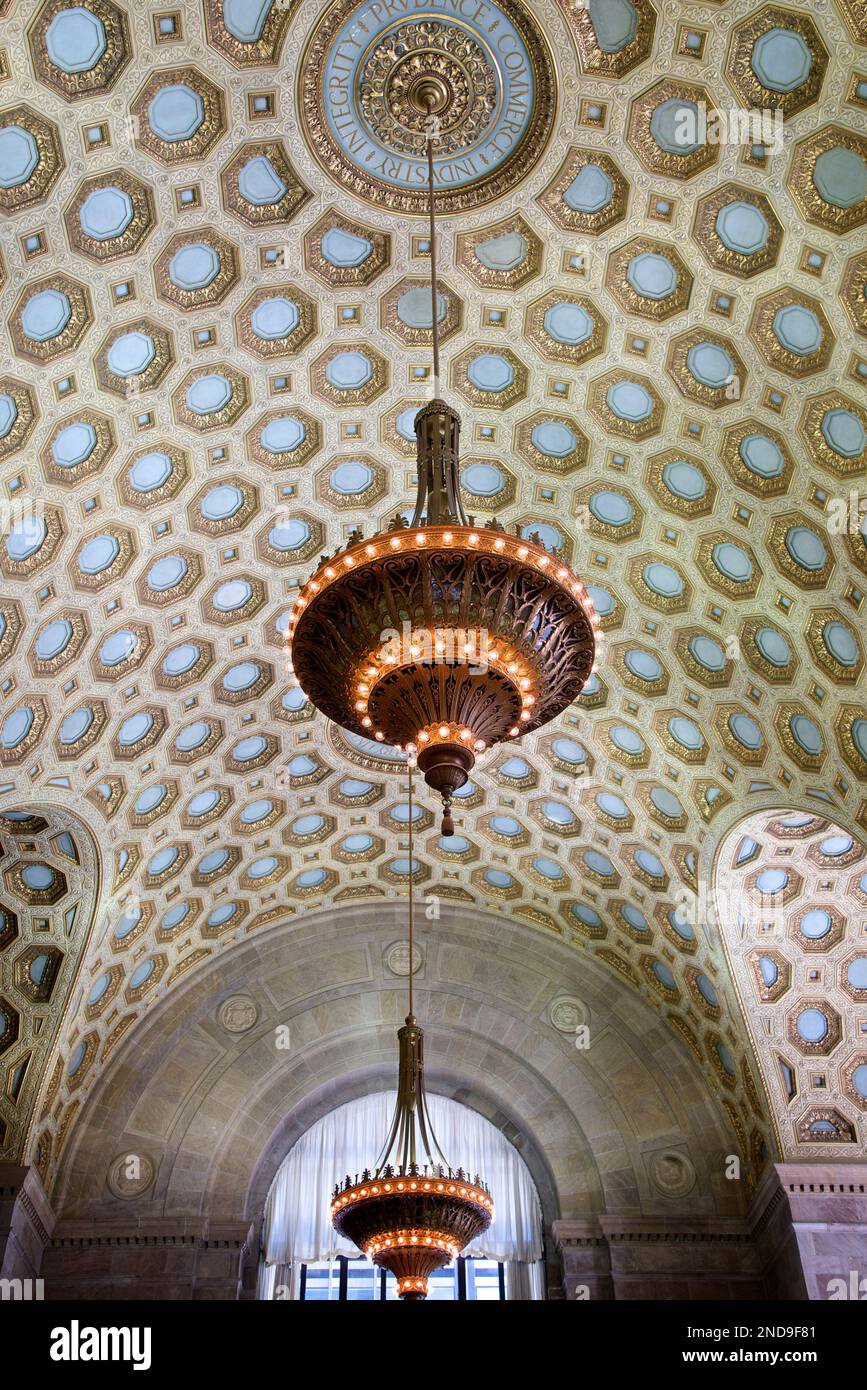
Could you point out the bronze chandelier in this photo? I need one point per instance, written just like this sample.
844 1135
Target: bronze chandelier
440 637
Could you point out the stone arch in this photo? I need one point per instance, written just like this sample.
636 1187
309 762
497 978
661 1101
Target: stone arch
218 1109
381 1077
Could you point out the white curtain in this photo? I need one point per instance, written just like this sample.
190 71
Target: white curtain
348 1140
525 1281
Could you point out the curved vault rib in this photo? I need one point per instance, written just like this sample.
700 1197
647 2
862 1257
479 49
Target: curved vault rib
791 893
51 883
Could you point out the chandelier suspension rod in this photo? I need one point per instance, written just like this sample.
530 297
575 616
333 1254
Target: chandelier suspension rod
432 129
411 895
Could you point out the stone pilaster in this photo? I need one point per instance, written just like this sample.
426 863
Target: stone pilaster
583 1252
770 1222
681 1258
26 1222
826 1204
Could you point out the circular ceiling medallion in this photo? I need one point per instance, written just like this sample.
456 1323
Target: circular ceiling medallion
130 1174
238 1013
568 1013
671 1172
396 958
370 69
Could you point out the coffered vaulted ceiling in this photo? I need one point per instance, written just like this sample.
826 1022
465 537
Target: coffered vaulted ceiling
215 336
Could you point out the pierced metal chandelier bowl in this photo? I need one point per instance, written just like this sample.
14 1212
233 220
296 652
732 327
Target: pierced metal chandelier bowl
411 1223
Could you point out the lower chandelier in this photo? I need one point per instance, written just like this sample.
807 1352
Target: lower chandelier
407 1217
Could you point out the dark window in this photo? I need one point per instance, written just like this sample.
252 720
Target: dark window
358 1281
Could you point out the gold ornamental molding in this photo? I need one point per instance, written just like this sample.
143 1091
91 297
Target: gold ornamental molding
767 334
599 404
11 626
225 797
47 165
818 411
161 598
722 391
141 221
495 77
224 276
755 658
284 208
308 433
487 272
741 66
821 619
852 292
264 49
374 251
780 541
178 477
74 317
736 440
645 306
289 300
109 34
396 314
714 249
595 59
21 405
53 533
554 202
694 157
699 504
78 630
100 442
832 217
156 356
576 350
855 13
209 126
99 717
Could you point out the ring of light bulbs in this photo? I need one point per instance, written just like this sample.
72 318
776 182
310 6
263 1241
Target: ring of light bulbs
515 668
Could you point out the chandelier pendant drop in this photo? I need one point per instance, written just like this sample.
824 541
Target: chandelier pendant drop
413 1213
440 637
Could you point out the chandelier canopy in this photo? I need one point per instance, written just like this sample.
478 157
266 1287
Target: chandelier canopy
437 636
